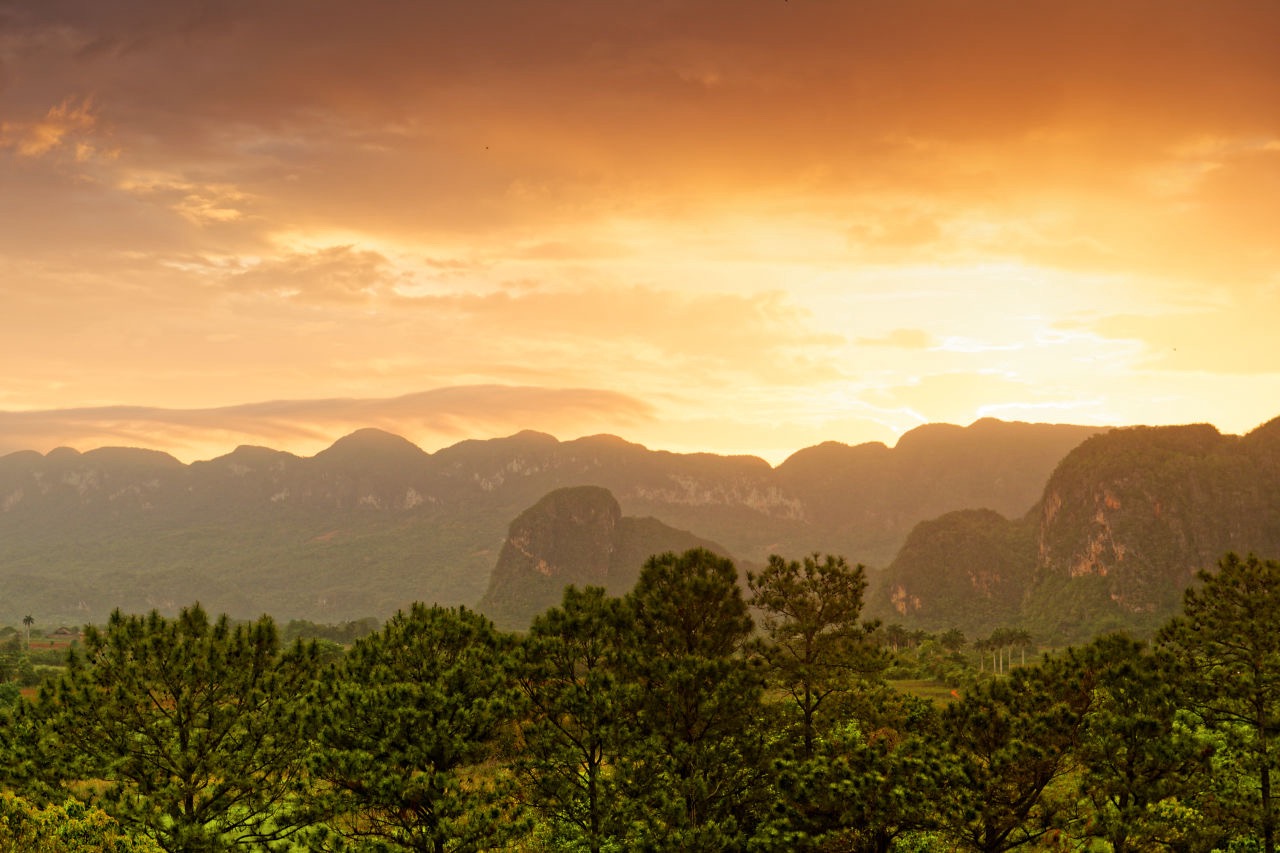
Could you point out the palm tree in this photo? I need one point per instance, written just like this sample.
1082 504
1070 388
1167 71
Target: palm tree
981 647
998 642
1022 638
28 622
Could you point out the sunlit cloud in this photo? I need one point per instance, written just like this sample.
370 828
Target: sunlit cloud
902 338
436 417
66 126
767 223
337 273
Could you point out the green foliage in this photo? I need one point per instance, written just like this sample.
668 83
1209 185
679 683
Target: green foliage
407 730
568 672
31 760
343 633
68 827
648 723
691 766
1228 643
191 725
1011 738
1145 771
864 786
814 643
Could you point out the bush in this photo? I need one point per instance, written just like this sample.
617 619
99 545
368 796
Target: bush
72 826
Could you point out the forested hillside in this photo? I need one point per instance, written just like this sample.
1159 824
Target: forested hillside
1125 522
374 522
574 536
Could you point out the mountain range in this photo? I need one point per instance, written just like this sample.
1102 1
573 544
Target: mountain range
374 522
1124 523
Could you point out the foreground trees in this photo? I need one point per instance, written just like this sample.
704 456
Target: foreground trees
1011 739
571 732
694 723
816 648
1228 642
660 721
192 727
406 727
645 727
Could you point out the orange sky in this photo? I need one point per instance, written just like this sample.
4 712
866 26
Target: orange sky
740 226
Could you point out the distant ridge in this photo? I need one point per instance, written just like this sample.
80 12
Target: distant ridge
373 522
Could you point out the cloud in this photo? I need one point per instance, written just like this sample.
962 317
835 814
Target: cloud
696 202
494 118
900 338
336 273
896 231
439 415
956 397
1224 341
66 126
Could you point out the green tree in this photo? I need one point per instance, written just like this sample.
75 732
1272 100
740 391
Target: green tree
1021 638
31 758
1143 765
407 725
188 727
691 766
953 639
1011 738
866 784
12 653
815 646
1228 641
567 670
895 636
27 622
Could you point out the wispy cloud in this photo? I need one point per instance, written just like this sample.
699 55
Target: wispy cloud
429 417
68 126
900 338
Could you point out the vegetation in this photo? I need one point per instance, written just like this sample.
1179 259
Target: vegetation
662 720
190 727
374 523
403 728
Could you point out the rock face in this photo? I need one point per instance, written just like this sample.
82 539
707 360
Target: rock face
576 536
1125 522
374 523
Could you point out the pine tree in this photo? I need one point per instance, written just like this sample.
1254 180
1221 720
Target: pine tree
692 763
188 727
865 785
406 727
1228 641
815 646
1139 758
567 670
1011 738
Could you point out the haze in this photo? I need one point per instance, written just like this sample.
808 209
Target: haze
728 225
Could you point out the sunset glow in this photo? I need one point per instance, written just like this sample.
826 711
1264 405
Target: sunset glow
739 226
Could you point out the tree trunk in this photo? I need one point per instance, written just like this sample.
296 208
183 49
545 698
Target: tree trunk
1268 817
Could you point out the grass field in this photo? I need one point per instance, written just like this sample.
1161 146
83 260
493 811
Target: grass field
935 691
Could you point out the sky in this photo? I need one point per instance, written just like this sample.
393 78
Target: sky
736 226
